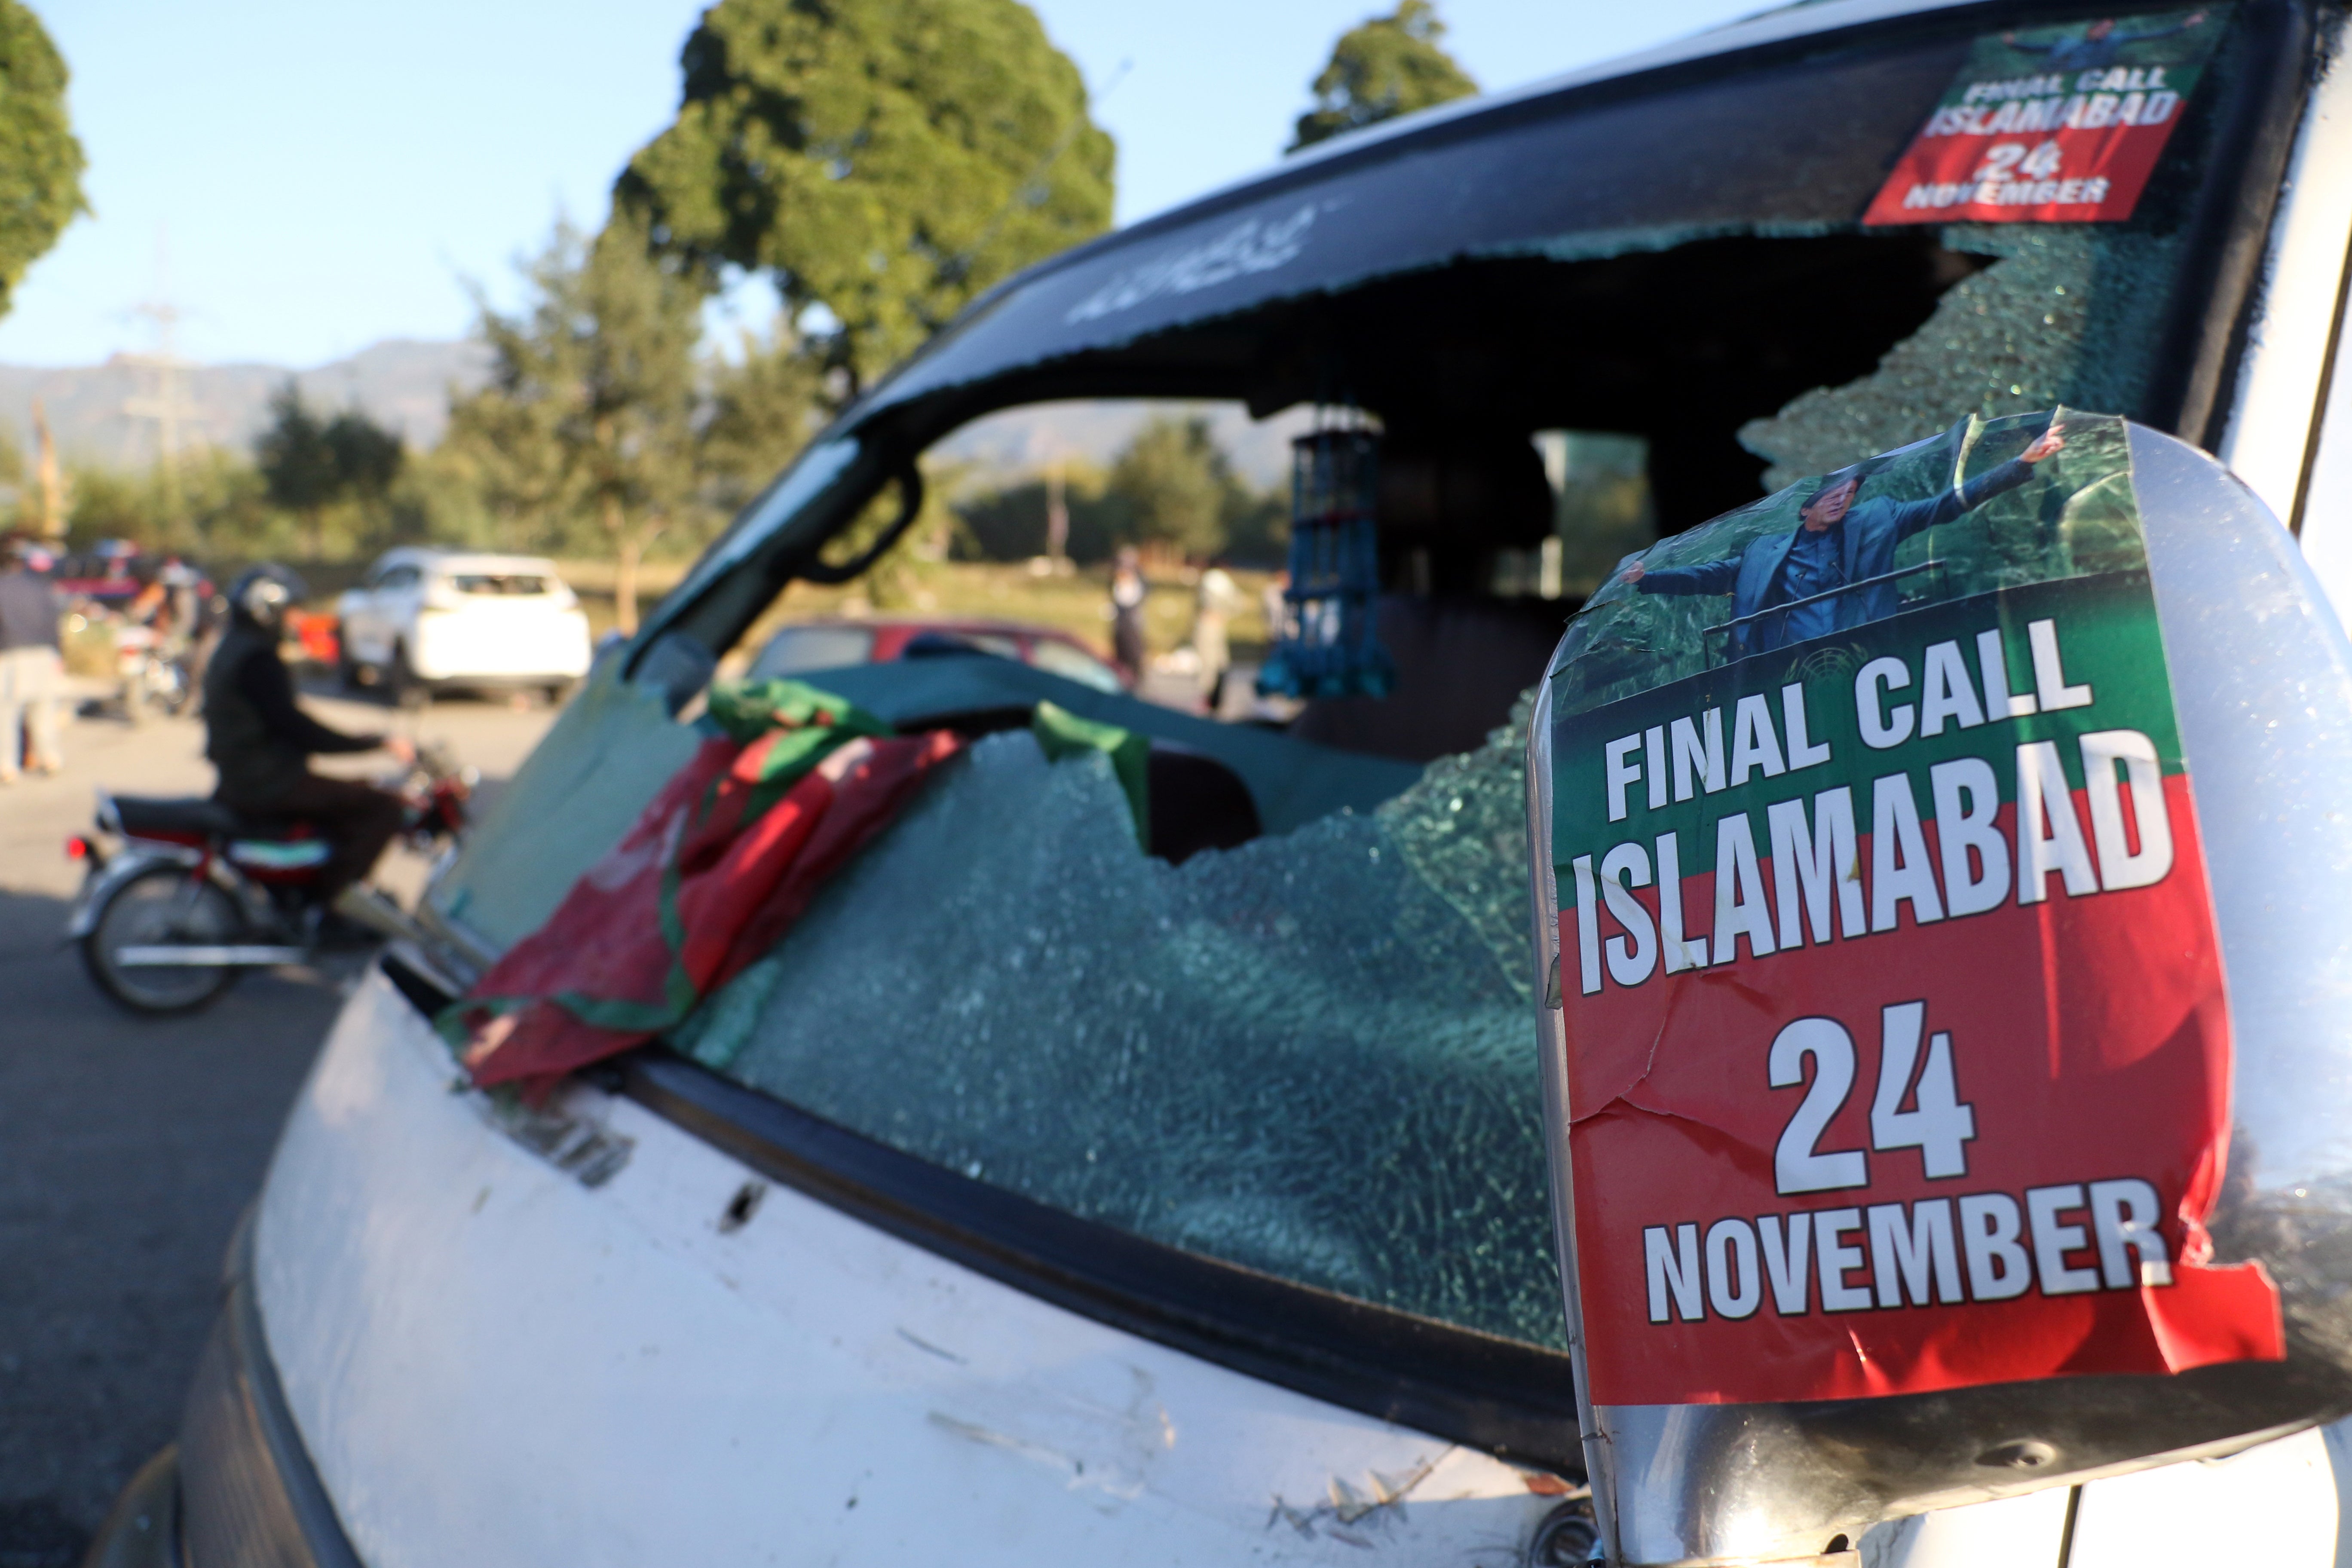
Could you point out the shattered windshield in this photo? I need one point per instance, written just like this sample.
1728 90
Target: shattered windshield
1310 1055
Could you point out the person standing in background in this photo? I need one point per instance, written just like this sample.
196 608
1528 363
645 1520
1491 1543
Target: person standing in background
1274 603
1126 591
32 667
1214 604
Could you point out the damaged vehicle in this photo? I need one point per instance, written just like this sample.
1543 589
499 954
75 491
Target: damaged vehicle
1137 1151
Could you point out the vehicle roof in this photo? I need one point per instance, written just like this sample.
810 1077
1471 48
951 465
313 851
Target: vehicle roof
1775 24
470 560
1443 184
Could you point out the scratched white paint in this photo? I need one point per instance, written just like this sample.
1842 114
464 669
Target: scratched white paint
492 1363
2286 348
2276 1505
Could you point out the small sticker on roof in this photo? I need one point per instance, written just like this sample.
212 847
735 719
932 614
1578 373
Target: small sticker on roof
2058 124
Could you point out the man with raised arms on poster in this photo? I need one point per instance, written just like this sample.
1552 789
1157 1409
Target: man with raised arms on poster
1835 571
2098 45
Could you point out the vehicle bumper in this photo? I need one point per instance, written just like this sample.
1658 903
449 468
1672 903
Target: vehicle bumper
142 1530
239 1488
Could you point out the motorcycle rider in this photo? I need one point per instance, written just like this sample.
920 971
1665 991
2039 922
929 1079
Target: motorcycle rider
261 742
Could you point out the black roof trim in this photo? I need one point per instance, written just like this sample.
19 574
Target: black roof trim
1803 26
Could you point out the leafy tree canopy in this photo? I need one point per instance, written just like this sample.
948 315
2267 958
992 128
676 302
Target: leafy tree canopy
1389 66
883 159
1176 486
292 454
40 161
1171 485
309 463
588 419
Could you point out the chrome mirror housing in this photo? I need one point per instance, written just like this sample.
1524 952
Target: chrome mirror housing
2261 681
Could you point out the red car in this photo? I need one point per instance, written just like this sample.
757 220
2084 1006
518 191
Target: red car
807 646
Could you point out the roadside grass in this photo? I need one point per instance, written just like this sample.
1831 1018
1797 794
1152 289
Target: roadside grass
1079 603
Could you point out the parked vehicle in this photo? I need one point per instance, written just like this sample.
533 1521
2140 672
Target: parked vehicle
182 895
423 619
109 574
807 646
1037 1201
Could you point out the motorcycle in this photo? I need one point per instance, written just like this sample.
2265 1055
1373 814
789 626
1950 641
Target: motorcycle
154 673
182 895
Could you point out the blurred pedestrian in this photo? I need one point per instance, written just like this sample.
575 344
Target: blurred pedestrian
1214 604
32 667
1274 603
1126 591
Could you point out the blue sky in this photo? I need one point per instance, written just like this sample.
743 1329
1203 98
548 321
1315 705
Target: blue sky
321 175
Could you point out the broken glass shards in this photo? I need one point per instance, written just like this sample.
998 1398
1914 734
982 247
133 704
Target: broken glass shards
2063 317
1309 1056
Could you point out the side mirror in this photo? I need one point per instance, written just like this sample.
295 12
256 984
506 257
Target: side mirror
1946 1043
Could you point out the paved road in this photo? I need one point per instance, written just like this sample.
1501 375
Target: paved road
129 1146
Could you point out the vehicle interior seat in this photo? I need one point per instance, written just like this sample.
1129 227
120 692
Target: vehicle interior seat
1450 504
1196 803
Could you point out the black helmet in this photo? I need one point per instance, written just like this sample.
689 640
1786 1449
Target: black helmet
262 594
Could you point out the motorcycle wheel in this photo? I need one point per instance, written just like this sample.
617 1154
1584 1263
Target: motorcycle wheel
161 907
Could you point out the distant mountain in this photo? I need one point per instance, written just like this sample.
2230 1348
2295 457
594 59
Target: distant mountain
400 384
404 384
1023 442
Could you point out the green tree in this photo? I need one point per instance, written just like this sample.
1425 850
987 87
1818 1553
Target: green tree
1174 487
40 161
297 465
882 160
587 422
1008 522
218 505
501 451
367 456
1388 66
309 463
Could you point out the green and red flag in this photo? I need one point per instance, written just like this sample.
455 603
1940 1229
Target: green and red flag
1897 1052
714 872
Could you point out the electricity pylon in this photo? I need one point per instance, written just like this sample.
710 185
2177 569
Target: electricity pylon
164 397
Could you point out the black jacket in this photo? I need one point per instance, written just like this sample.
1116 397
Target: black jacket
255 736
28 611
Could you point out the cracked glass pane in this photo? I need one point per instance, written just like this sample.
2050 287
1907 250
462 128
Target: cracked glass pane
1312 1055
2063 315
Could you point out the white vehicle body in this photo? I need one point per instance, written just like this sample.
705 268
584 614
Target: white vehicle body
455 1317
636 1328
445 617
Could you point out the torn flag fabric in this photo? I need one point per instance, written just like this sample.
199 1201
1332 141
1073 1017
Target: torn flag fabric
716 868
